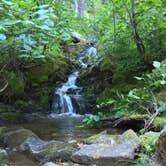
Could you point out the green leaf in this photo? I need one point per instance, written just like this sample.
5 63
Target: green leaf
132 94
162 108
163 82
44 27
138 78
28 48
156 64
110 101
2 36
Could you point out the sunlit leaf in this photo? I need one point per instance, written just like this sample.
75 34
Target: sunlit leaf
156 64
2 36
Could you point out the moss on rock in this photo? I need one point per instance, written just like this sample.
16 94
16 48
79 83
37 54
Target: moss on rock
159 123
148 142
9 113
52 70
161 144
15 138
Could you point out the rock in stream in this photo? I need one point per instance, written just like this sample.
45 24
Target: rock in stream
108 150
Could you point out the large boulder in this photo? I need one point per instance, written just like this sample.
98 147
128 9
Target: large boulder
107 150
97 83
4 160
44 151
49 71
161 145
13 139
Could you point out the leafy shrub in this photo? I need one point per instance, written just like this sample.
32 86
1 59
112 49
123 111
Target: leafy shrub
141 99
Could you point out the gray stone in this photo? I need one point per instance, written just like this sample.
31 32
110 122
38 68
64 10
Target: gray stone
50 164
48 151
76 37
4 160
107 150
15 138
161 145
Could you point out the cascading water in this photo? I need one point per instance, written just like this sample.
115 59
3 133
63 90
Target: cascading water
67 100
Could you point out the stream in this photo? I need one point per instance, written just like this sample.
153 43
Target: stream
65 121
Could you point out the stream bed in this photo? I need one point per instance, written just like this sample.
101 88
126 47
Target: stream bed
61 128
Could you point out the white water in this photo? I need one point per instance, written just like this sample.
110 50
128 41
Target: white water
62 103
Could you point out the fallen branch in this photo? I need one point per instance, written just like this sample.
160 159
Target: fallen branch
151 119
5 86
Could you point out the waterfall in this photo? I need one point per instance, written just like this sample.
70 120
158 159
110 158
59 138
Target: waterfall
67 99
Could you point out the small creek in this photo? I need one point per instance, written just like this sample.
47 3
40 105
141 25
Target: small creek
62 128
65 121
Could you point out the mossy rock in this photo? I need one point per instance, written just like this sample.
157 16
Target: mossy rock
159 123
9 113
148 141
97 81
21 104
137 116
161 144
105 149
161 97
15 138
4 159
51 70
41 99
55 150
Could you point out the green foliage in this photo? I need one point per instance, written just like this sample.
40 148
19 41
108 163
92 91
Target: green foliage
93 119
140 100
148 141
111 26
30 30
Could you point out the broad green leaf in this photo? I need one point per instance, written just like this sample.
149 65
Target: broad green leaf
163 82
138 78
2 36
44 27
156 64
28 48
132 94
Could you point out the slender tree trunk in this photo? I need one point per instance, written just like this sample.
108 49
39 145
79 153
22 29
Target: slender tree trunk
79 7
133 22
114 22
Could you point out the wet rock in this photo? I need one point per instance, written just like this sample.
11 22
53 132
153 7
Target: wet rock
161 145
76 37
156 160
97 83
60 164
48 151
50 164
108 149
4 160
15 138
79 104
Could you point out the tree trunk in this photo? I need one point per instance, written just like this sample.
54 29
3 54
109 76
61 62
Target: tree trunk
114 21
133 22
79 7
